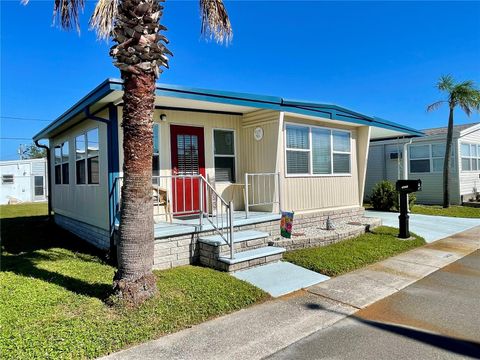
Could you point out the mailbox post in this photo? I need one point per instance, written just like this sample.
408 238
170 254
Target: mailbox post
405 187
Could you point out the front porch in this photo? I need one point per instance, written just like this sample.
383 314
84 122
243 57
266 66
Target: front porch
190 225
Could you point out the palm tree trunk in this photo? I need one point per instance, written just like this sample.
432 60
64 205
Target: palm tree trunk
446 163
134 281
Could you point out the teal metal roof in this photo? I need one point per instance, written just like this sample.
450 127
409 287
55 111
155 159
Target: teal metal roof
329 111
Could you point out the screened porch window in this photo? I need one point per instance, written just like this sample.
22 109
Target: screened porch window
61 154
312 150
224 152
86 157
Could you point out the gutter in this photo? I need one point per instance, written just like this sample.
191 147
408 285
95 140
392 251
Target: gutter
49 176
240 99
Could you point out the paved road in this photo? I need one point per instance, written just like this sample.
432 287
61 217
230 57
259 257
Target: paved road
431 228
437 317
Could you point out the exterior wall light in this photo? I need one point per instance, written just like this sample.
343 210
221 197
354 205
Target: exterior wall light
163 117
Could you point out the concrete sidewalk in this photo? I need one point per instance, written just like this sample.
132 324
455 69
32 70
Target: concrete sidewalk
262 330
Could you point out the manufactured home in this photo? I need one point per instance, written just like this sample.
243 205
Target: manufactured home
224 165
23 181
422 158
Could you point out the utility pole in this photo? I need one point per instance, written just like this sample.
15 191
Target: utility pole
21 151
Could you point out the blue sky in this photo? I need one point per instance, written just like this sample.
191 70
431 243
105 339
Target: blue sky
379 58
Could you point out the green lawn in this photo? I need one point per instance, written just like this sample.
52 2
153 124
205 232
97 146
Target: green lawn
52 293
438 210
351 254
21 210
452 211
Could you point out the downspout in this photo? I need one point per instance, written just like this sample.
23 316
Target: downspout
405 167
405 159
49 182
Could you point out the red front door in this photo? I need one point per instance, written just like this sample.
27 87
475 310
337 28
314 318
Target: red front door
188 158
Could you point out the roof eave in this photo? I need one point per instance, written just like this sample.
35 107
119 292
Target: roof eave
329 111
105 88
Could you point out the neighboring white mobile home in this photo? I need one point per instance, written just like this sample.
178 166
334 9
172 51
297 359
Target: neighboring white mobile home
424 160
222 161
23 181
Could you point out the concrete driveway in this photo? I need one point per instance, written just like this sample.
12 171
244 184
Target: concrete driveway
437 317
431 228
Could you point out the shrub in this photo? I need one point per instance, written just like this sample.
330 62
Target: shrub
411 201
384 197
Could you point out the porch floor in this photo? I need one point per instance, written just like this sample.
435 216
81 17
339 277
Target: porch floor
190 225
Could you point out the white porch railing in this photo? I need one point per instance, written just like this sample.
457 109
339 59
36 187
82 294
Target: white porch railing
193 197
262 189
182 191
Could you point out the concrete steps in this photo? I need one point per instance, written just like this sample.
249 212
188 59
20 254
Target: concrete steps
251 258
251 249
238 237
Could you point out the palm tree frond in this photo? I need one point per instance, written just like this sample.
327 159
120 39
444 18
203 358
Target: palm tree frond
466 108
435 105
67 12
103 17
215 21
445 83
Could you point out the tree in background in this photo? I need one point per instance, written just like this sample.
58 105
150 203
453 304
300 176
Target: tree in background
33 152
139 52
464 95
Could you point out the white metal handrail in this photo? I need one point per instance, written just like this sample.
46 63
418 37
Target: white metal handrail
212 207
262 189
224 230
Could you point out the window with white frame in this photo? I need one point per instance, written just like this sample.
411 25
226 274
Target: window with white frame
224 152
156 150
312 150
428 158
61 154
86 157
470 157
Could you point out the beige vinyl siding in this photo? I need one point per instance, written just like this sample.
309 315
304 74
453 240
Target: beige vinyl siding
304 194
87 203
469 179
260 156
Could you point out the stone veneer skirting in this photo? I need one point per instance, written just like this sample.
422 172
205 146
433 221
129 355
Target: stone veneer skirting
305 220
90 233
183 250
356 224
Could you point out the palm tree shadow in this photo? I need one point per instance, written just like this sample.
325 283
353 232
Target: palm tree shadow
22 240
457 346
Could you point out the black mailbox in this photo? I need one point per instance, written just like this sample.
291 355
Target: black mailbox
405 187
409 186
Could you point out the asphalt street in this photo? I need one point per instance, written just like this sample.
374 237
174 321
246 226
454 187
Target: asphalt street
437 317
